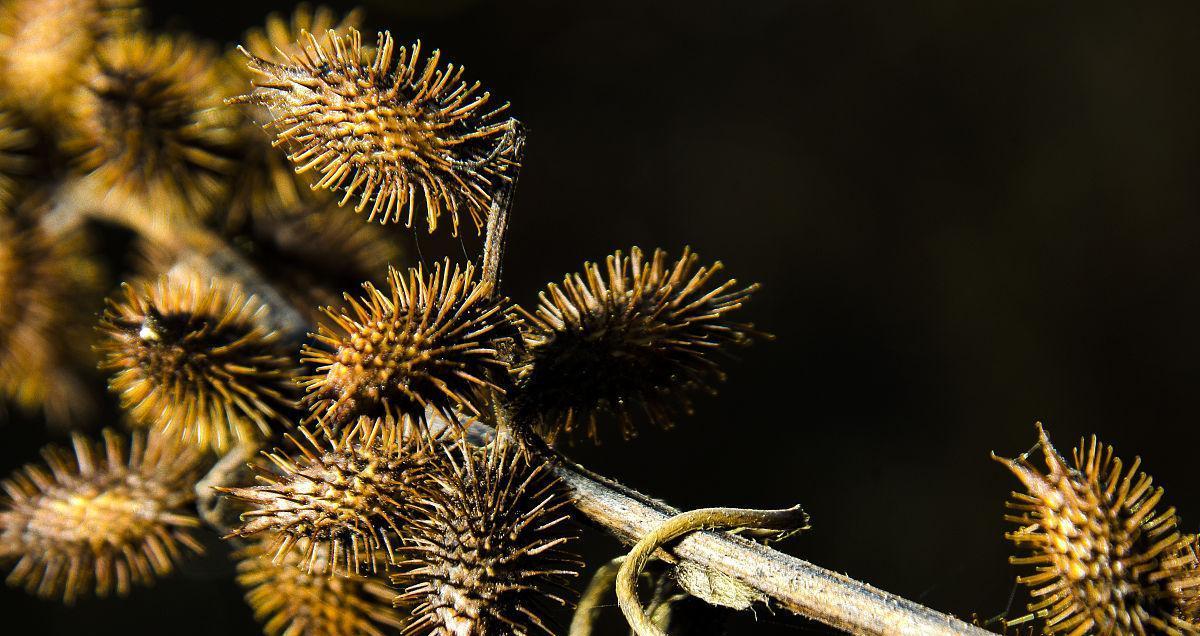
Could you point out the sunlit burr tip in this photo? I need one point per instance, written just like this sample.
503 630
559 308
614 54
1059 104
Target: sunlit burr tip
266 186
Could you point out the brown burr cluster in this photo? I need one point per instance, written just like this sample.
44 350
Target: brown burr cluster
1106 559
405 490
100 519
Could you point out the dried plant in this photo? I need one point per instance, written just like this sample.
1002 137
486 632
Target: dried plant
411 427
487 545
1106 561
266 187
194 360
396 132
16 140
429 341
636 335
48 285
45 43
150 128
291 600
312 255
345 502
102 517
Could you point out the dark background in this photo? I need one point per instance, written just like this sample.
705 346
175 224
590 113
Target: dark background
966 217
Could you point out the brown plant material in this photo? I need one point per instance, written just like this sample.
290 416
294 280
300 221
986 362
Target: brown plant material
395 133
311 255
633 335
193 360
429 340
487 547
16 142
45 43
342 502
101 519
266 186
291 601
151 129
282 38
46 285
1106 561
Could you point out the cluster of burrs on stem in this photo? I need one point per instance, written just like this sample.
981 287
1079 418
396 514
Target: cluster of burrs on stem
373 509
407 484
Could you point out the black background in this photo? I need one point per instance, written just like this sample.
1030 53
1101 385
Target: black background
966 217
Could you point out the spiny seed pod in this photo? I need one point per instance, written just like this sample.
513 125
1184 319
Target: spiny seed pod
151 127
194 360
429 340
44 43
265 186
486 552
343 502
103 518
1106 562
46 283
399 135
635 335
16 141
291 601
311 255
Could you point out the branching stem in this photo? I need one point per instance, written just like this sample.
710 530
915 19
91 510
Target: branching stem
793 584
677 526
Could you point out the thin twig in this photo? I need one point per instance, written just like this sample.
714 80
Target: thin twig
211 506
498 214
